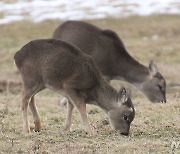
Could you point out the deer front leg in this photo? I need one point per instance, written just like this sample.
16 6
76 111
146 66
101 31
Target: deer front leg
70 108
82 109
79 102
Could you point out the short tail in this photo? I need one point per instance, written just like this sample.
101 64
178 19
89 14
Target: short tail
17 59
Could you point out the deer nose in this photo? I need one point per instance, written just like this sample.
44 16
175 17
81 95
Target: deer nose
125 134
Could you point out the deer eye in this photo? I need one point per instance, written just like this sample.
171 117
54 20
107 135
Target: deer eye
125 117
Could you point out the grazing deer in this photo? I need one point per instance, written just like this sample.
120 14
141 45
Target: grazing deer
109 53
61 67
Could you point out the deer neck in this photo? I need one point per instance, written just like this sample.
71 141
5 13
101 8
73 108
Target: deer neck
132 71
105 96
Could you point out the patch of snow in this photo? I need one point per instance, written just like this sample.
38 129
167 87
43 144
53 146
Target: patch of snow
39 10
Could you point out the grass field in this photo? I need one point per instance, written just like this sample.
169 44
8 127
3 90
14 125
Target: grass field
156 128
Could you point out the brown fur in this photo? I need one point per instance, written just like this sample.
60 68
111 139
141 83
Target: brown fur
63 68
109 53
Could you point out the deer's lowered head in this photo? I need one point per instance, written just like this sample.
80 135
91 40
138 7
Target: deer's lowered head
154 86
123 114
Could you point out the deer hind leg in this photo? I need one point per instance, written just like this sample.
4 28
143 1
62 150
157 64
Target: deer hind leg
28 98
70 108
79 102
25 101
36 116
32 84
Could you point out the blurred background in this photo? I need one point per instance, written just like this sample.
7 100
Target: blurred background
40 10
150 30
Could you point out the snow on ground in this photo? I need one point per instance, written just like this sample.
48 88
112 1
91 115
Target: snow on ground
39 10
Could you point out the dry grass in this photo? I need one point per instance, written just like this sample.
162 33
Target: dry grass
155 126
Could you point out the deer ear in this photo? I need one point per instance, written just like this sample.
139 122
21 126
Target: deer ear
153 68
123 97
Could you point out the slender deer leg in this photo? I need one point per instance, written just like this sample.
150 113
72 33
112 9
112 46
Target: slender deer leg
79 102
70 108
82 109
35 113
25 101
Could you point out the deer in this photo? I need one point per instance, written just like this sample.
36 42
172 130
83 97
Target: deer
112 58
65 69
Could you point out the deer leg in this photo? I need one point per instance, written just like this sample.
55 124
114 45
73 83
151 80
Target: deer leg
35 113
79 102
70 108
82 109
25 101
